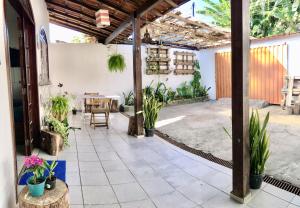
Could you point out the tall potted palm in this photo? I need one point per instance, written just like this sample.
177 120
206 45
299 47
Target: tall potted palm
151 108
259 149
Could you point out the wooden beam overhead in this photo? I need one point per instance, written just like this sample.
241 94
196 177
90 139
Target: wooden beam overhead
147 6
171 3
90 23
74 27
240 27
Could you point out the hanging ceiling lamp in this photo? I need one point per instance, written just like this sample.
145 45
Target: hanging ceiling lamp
102 18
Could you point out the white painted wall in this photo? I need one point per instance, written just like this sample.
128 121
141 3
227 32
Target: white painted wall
7 168
206 58
41 19
83 68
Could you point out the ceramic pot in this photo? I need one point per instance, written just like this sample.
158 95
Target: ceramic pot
149 132
256 181
50 183
38 189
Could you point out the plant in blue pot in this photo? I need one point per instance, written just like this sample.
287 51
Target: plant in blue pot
36 183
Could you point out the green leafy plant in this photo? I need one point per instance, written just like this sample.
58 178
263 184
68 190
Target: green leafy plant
50 168
128 98
59 107
259 143
170 95
60 128
116 63
267 17
151 108
185 91
198 89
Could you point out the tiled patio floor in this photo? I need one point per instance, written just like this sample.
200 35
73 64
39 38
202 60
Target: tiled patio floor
108 169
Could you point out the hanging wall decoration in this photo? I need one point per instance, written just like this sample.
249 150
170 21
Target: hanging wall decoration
102 18
44 75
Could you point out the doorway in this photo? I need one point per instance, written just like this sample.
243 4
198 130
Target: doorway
23 74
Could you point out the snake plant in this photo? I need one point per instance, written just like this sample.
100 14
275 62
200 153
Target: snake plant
259 143
151 108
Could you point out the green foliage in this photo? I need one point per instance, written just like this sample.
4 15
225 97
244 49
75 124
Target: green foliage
219 11
59 107
51 167
170 95
185 91
267 17
160 92
259 143
195 89
151 108
128 98
60 128
116 63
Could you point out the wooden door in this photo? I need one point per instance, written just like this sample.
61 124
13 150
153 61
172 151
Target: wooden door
268 66
29 85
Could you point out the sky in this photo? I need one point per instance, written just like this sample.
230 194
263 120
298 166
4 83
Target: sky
66 35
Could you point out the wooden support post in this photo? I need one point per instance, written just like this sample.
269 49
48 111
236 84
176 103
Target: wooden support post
137 75
240 28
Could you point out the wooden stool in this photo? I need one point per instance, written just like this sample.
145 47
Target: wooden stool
58 197
52 143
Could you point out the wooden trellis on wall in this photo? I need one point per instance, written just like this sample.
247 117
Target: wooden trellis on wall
184 62
158 60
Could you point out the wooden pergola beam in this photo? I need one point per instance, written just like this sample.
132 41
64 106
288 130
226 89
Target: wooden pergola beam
75 27
150 4
240 42
171 3
91 25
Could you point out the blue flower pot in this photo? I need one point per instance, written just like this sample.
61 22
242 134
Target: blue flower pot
36 190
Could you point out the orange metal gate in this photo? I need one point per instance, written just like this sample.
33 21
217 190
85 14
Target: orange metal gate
267 70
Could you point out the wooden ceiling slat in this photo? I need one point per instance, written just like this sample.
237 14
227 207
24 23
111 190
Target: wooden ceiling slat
79 20
82 14
83 11
80 24
75 27
94 8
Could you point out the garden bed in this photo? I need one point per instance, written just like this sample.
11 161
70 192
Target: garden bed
187 101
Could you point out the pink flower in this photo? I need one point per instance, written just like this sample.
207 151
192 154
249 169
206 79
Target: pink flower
32 161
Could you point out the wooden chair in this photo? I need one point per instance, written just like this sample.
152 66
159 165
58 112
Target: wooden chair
100 106
88 101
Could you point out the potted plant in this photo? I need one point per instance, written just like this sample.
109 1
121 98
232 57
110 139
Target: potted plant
74 111
259 149
59 107
128 101
151 108
51 179
59 127
36 183
116 63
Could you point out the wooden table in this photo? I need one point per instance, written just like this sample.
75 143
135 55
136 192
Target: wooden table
58 197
